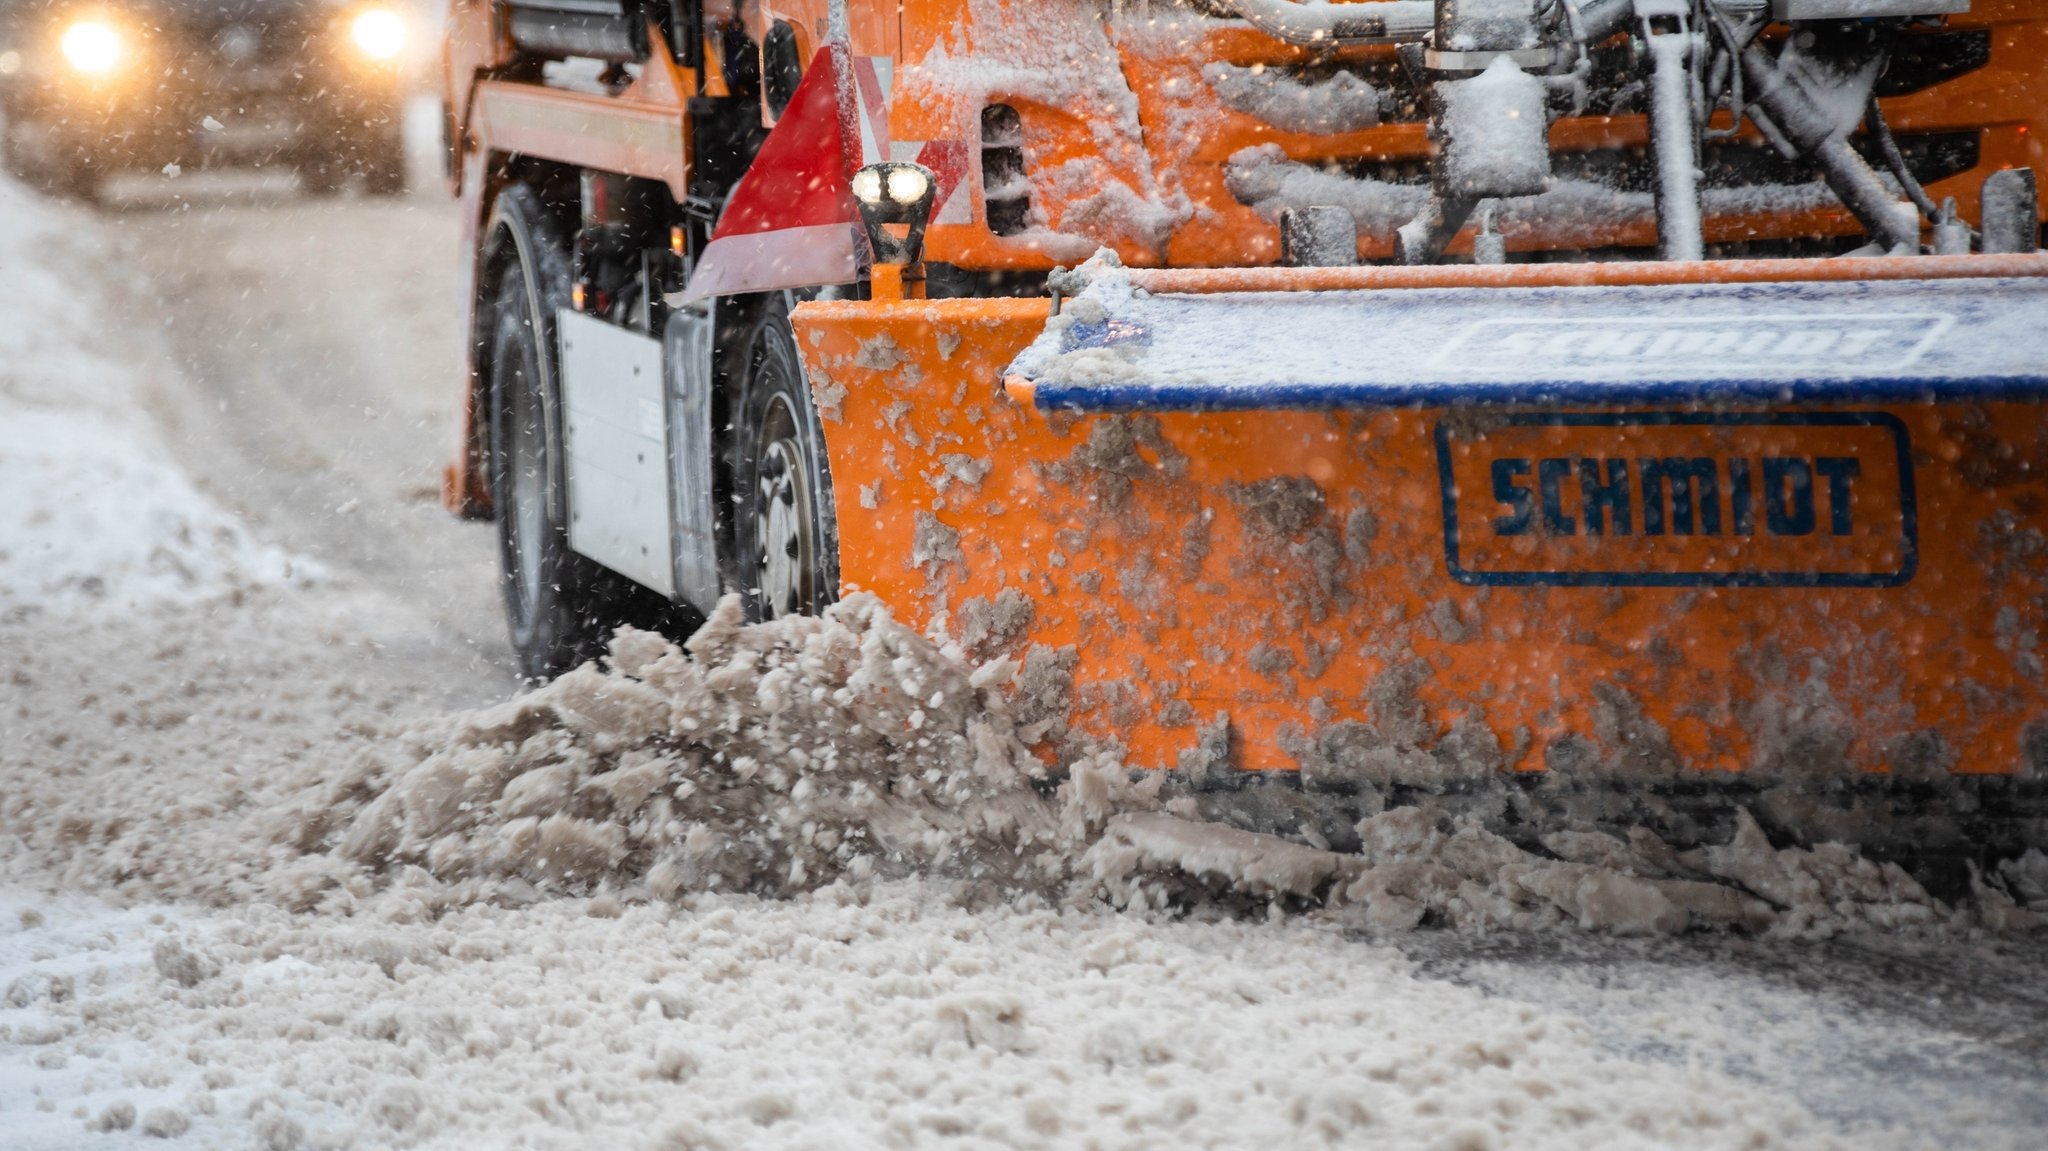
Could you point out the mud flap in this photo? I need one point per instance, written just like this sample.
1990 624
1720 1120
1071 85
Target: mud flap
687 361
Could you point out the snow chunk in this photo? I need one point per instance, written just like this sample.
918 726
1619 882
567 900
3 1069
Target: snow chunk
117 1116
1338 103
180 965
165 1123
1257 864
1496 133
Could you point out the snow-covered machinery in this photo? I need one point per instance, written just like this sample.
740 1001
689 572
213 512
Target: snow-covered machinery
1621 409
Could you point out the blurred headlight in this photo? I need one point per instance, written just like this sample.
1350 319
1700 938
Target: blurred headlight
379 33
92 46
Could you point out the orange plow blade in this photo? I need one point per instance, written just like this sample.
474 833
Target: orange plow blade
1225 525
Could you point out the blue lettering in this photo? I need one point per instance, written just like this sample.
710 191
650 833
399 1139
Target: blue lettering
1680 495
1602 499
1693 486
1839 470
1788 495
1550 476
1514 495
1741 497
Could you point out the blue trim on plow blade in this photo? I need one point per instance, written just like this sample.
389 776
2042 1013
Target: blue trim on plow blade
1258 397
1909 508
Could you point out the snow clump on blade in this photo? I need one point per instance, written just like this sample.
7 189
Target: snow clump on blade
1340 102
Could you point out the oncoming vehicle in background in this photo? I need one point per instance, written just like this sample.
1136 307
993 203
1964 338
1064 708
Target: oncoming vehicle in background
92 88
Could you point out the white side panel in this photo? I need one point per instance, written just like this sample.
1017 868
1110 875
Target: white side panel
616 442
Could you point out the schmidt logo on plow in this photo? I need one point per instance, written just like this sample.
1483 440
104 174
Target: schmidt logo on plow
1671 499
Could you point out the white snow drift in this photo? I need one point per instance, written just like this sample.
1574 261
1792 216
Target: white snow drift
95 515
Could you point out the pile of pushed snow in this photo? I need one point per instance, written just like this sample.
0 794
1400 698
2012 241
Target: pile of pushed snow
780 757
96 514
770 758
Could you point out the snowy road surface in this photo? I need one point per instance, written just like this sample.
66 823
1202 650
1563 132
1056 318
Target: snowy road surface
223 574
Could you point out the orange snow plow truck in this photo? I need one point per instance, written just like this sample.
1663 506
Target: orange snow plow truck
1610 411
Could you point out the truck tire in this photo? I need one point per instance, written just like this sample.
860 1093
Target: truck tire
321 176
557 603
381 156
77 183
56 170
384 174
785 530
13 157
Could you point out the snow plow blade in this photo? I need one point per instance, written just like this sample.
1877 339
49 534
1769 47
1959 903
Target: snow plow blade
1682 529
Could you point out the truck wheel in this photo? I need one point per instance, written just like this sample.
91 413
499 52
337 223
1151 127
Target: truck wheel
785 535
72 176
381 155
384 174
13 157
321 176
74 180
556 602
57 170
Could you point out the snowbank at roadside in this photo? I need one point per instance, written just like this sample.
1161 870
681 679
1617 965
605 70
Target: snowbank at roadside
95 515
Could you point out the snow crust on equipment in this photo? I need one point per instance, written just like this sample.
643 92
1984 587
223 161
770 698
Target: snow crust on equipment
1680 215
1497 132
1059 55
1338 103
1570 212
1113 348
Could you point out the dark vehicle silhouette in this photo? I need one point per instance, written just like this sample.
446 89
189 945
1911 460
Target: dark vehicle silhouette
92 88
